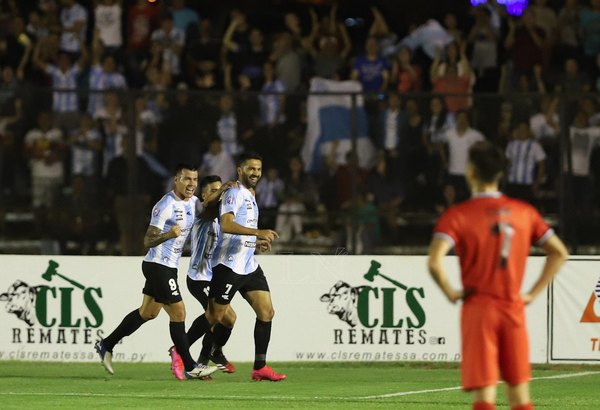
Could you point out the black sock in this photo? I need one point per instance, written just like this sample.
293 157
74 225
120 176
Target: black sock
181 344
221 336
262 335
207 344
199 328
128 325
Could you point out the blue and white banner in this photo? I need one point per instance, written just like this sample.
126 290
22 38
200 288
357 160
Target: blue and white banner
329 129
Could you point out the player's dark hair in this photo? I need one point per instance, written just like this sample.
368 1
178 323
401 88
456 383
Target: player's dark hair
209 179
181 166
488 161
246 156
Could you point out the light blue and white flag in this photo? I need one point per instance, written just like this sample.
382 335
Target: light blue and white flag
330 124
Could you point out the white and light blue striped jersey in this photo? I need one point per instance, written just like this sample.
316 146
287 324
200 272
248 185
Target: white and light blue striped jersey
69 16
167 212
204 240
63 101
101 80
523 156
270 104
237 251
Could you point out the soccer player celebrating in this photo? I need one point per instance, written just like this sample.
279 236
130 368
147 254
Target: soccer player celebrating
492 235
170 224
205 232
235 267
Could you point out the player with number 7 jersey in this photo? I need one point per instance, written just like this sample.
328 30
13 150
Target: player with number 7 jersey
492 236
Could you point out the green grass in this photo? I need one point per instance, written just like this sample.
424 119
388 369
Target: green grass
28 385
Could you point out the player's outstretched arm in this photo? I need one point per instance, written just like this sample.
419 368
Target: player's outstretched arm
437 250
557 254
154 235
213 198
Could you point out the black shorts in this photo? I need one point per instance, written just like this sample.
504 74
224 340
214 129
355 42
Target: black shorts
161 283
225 283
199 289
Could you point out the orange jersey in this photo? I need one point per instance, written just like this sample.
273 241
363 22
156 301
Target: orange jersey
492 236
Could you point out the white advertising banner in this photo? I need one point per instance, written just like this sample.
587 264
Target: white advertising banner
327 308
575 312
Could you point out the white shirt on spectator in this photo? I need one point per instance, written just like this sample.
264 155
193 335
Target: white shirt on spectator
108 22
39 167
83 158
583 142
220 164
458 147
540 127
227 131
101 80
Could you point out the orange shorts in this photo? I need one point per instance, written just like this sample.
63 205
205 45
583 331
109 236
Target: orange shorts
494 343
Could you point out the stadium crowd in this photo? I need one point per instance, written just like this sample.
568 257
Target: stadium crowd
89 89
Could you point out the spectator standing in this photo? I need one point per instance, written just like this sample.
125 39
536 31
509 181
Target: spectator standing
569 36
184 18
584 139
484 58
406 74
526 169
528 42
459 140
63 76
269 193
142 19
45 149
455 80
107 17
227 126
86 146
218 162
73 18
167 46
103 76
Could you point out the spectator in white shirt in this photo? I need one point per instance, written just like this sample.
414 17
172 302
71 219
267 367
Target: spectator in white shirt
545 126
217 161
107 16
459 140
269 193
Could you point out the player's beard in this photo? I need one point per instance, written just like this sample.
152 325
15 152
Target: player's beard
248 183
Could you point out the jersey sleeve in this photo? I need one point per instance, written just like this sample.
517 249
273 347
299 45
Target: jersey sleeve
160 214
230 203
540 230
447 228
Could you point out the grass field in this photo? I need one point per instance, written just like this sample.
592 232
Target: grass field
29 385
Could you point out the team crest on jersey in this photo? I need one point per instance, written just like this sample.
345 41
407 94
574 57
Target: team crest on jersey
156 211
229 199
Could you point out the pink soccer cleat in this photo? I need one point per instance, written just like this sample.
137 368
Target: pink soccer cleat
267 373
177 367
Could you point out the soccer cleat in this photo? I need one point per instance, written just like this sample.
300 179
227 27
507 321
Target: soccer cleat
222 363
177 367
267 373
201 372
105 356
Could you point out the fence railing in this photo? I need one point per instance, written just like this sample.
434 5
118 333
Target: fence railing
81 170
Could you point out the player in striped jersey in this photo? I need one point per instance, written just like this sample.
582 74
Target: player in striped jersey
235 267
492 236
205 232
170 224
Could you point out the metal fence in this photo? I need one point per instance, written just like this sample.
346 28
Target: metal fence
84 181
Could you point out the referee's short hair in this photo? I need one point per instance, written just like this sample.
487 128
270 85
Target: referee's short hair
246 156
182 165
